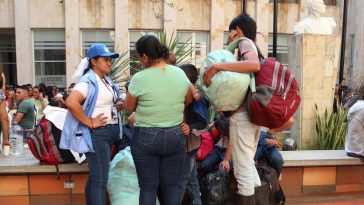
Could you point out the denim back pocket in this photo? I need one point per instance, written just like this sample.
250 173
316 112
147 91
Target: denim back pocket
180 136
147 135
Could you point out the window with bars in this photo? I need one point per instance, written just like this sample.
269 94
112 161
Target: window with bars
134 35
50 57
8 55
282 47
199 42
90 37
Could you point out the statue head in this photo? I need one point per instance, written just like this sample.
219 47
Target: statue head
316 7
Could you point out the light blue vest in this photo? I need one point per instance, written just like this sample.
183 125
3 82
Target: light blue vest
75 135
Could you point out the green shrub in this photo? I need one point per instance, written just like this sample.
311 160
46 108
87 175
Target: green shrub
331 129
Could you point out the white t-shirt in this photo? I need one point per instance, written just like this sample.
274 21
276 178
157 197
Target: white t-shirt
104 101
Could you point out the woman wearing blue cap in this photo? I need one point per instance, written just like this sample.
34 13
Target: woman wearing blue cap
158 95
93 122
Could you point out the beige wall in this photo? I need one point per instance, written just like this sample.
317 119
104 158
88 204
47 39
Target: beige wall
7 14
194 14
145 14
96 13
46 14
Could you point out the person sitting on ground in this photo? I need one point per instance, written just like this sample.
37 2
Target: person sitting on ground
267 150
354 142
221 154
39 101
25 114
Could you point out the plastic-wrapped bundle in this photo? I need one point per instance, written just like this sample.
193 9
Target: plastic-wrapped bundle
227 89
123 187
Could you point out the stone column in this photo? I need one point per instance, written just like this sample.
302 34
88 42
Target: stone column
122 40
23 38
170 17
217 25
262 19
73 41
314 60
122 25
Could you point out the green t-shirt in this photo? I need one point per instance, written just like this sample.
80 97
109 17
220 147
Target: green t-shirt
26 107
161 94
38 104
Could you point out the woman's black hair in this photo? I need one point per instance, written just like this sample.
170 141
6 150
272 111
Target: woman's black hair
90 64
49 92
248 26
150 46
191 72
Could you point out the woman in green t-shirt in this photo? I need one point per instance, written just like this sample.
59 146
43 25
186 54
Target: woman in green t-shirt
158 95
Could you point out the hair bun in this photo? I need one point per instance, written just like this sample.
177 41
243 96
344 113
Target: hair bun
163 51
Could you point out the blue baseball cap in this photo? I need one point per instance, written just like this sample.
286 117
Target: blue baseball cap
100 49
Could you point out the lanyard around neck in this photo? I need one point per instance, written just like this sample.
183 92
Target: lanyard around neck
111 90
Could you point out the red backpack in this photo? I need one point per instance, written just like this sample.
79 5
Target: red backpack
274 96
206 147
43 143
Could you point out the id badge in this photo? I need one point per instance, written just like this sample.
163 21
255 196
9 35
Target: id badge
114 112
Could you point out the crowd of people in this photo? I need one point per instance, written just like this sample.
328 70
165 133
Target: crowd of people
165 107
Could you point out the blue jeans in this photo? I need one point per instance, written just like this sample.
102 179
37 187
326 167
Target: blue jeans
189 179
275 161
213 159
159 155
98 163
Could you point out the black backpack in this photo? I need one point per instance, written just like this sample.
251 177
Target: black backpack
269 175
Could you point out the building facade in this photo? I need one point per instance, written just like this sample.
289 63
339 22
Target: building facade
44 40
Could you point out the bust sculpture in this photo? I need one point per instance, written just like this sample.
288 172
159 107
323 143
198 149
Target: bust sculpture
314 23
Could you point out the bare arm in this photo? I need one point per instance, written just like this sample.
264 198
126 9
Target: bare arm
74 102
4 123
3 88
251 64
285 126
226 162
189 96
18 117
131 103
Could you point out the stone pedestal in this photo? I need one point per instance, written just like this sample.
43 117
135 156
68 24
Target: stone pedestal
314 60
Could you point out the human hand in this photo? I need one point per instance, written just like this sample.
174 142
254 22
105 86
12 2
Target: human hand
275 142
185 128
98 121
225 164
208 74
131 119
119 105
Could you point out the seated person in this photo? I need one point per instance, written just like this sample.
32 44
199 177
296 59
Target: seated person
354 142
221 154
266 150
39 101
25 114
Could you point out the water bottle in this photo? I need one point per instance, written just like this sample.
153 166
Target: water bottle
16 139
